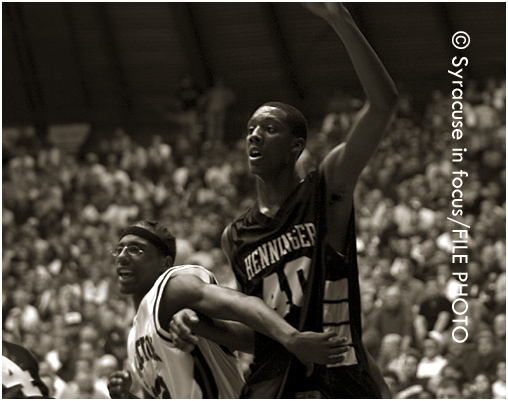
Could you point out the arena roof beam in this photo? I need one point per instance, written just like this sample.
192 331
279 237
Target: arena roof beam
280 41
446 25
192 44
76 55
24 54
112 48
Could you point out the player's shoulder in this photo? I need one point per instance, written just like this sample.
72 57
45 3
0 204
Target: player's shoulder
203 273
246 220
242 217
18 354
315 178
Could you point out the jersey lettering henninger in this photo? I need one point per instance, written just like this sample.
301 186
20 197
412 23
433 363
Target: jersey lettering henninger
164 371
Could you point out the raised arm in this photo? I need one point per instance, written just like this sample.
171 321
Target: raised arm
344 163
380 91
213 301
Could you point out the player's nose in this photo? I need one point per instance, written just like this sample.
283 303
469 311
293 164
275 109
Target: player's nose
255 135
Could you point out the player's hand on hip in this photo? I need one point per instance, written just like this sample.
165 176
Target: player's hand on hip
319 348
119 384
181 334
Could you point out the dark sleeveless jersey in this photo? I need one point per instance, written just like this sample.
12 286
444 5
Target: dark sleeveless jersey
284 260
20 373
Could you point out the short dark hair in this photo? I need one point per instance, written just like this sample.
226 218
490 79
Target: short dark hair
162 232
295 118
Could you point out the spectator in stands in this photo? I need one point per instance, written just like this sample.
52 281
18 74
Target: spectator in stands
499 328
159 154
389 352
82 386
189 98
449 389
217 100
23 317
62 359
434 312
103 368
432 362
480 388
409 383
487 355
452 371
96 286
499 384
370 334
411 288
394 317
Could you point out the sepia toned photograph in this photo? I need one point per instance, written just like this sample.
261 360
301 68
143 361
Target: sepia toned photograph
254 200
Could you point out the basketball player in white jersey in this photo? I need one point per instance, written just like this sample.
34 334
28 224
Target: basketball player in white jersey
144 256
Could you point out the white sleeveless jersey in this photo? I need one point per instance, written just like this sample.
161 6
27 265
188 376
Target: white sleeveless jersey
210 371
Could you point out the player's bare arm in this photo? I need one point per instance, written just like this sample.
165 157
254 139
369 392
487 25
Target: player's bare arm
189 291
343 164
186 325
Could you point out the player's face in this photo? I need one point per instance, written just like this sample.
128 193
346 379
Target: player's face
138 265
269 142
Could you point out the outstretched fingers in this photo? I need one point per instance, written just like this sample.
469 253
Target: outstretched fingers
181 334
321 348
336 347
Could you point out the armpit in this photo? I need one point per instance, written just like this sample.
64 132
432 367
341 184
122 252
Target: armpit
336 195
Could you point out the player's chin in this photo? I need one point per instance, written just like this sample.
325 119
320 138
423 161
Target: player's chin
258 170
125 289
253 167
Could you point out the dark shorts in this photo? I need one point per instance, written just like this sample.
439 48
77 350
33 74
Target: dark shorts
342 382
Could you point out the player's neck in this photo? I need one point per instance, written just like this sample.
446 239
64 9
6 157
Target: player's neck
136 300
273 193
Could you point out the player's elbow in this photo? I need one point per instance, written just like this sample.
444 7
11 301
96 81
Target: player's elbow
381 112
392 98
387 104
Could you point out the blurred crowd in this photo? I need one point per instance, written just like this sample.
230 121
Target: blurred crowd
61 216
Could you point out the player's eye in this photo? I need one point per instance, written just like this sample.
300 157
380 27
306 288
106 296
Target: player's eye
132 250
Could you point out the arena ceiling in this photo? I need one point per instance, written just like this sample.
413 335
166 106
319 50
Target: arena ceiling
120 63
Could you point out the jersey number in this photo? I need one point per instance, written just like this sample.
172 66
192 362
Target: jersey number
296 273
160 390
13 375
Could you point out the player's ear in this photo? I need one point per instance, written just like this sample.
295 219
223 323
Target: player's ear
168 262
298 145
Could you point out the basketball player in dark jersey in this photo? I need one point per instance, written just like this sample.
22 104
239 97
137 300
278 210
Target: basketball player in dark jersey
20 373
295 248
